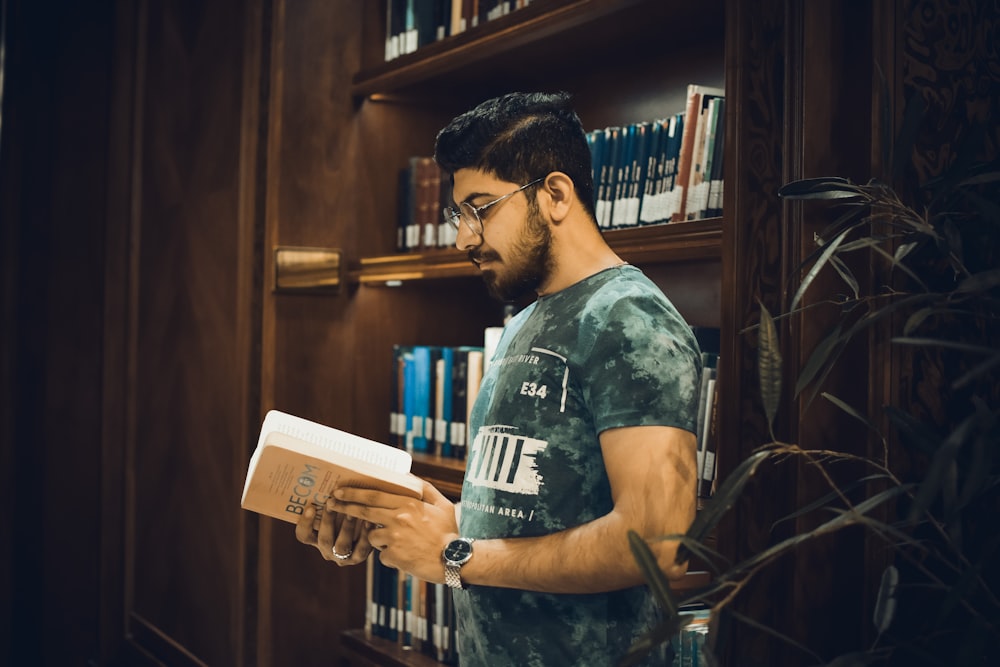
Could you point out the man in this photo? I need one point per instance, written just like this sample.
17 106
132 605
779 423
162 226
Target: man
583 428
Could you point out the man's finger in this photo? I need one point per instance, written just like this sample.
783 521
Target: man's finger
304 532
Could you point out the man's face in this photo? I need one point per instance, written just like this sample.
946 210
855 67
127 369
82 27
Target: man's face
514 251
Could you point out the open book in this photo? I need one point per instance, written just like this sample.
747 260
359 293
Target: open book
298 462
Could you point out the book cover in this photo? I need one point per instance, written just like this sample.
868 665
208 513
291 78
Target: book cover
623 177
652 172
459 388
664 198
701 171
609 175
596 143
695 99
423 395
715 187
297 462
643 137
443 401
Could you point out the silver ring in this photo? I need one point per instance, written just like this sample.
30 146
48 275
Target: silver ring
341 556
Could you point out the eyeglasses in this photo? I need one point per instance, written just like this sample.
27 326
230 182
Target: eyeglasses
472 216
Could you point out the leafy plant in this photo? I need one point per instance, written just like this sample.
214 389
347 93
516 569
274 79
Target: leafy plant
933 503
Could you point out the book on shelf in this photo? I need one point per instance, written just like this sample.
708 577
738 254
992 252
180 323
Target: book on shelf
298 461
695 122
413 24
708 340
423 192
715 189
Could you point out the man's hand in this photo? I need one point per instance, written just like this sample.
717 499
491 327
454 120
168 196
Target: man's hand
409 533
339 538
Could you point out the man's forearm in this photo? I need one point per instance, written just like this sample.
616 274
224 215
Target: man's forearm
591 558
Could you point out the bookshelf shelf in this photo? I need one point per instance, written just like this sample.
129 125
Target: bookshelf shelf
657 244
523 37
368 650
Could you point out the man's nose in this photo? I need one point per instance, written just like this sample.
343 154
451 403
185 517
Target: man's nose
466 239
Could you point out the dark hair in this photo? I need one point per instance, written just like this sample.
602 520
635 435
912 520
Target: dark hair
519 137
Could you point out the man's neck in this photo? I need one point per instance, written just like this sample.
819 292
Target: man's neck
577 254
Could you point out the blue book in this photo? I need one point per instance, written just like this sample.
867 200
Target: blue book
422 393
443 401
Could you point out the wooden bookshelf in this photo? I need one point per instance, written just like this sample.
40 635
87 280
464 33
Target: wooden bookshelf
652 244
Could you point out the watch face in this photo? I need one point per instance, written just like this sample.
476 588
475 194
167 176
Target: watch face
458 551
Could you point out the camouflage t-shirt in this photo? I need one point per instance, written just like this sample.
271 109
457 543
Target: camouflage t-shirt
607 352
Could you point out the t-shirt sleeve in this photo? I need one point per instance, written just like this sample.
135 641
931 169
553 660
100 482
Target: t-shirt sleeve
643 368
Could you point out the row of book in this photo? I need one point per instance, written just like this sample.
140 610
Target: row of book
665 170
420 616
433 389
424 191
415 614
651 172
412 24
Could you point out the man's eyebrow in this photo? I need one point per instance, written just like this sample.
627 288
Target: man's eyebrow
476 195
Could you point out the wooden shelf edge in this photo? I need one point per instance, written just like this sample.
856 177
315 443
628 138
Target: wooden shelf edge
377 651
696 240
444 473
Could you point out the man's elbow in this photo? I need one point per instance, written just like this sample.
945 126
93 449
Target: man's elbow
666 559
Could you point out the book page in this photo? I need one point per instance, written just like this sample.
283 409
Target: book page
334 440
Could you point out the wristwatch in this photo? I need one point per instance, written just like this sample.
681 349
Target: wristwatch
457 553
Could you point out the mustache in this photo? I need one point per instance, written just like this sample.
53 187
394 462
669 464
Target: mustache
477 257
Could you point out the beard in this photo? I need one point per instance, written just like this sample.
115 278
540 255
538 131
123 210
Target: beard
528 263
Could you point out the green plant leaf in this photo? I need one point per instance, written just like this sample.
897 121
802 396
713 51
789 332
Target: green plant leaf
711 558
769 630
940 468
825 351
722 501
916 319
845 274
979 282
978 370
948 344
817 266
843 519
885 603
826 187
769 365
658 582
822 501
851 411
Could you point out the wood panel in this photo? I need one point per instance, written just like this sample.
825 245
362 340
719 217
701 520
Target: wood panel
314 188
192 338
753 241
56 92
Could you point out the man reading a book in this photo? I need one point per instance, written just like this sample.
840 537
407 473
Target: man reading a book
584 424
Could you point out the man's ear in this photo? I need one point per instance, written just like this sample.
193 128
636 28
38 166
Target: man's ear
560 194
